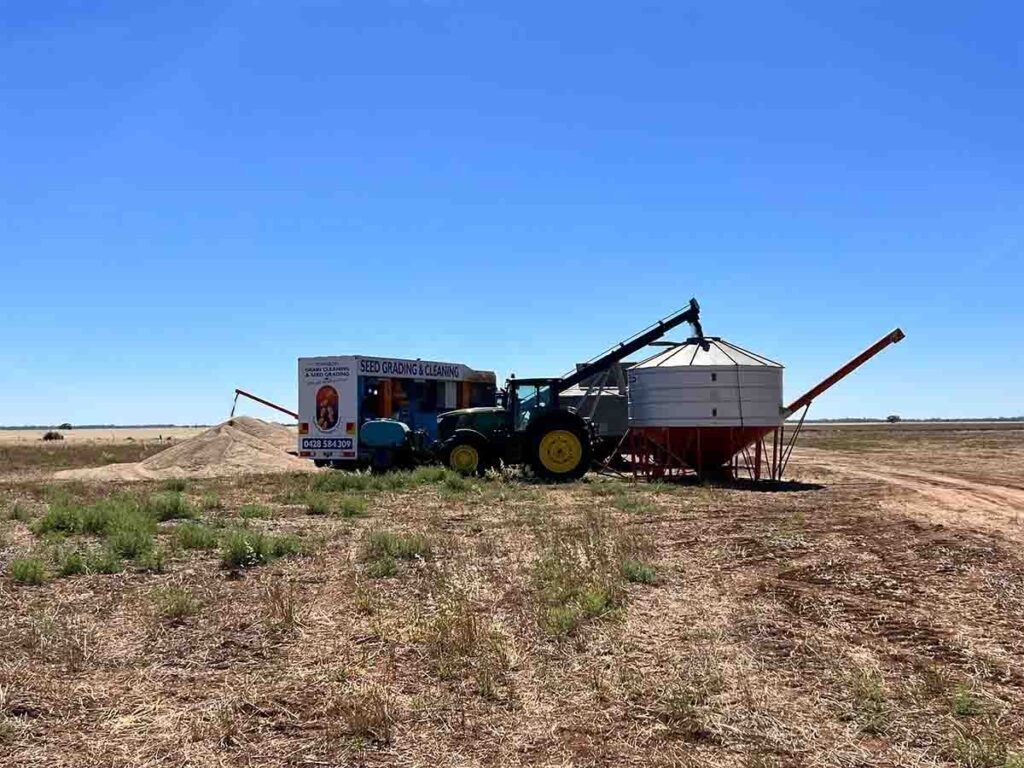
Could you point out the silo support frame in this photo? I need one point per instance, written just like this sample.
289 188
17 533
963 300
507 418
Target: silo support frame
653 461
658 454
792 441
760 456
762 460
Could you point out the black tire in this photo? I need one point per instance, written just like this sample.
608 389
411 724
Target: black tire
463 445
559 446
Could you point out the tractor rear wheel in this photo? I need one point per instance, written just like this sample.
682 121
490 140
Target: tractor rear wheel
560 449
467 455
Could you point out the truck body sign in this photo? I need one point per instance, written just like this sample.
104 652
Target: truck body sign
328 407
410 369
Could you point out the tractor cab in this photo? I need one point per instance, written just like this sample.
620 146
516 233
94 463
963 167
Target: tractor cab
525 399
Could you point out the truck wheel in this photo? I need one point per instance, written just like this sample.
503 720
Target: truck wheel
466 455
561 450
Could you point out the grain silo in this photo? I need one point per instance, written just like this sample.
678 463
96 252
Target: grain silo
705 399
707 405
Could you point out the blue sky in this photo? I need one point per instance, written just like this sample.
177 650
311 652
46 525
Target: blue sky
191 198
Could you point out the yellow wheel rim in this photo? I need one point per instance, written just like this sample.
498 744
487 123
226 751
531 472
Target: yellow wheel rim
560 451
464 458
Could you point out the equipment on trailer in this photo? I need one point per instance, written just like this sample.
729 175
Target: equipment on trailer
534 427
390 444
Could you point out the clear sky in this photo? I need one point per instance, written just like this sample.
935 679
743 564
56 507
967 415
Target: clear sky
193 195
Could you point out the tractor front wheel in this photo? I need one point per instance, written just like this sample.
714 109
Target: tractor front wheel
466 455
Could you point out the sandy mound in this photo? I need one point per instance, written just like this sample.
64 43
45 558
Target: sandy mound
243 445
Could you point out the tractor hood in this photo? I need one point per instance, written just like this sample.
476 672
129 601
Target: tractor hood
449 421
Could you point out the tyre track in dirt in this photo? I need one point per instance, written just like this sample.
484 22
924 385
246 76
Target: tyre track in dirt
938 497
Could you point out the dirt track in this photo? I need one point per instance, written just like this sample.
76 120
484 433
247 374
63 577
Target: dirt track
966 487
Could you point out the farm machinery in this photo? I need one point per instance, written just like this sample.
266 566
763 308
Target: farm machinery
531 427
703 406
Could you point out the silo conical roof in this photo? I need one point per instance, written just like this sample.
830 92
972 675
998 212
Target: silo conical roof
710 351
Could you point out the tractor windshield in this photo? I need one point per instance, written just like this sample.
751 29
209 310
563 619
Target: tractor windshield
527 399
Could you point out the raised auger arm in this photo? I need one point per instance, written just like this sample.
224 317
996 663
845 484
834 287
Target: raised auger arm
624 349
892 337
267 403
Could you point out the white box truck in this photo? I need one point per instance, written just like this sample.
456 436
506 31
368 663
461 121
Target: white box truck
338 394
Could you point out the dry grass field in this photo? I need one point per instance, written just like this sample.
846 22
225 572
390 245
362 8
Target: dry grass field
871 614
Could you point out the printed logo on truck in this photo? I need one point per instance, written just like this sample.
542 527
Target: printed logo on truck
328 406
327 412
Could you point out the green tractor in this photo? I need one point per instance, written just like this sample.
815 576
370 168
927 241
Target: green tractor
531 428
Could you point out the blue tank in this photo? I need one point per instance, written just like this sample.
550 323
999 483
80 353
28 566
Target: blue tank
383 433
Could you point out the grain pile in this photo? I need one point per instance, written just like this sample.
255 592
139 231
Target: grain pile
242 445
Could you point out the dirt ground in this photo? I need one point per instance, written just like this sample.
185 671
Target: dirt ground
869 614
967 475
